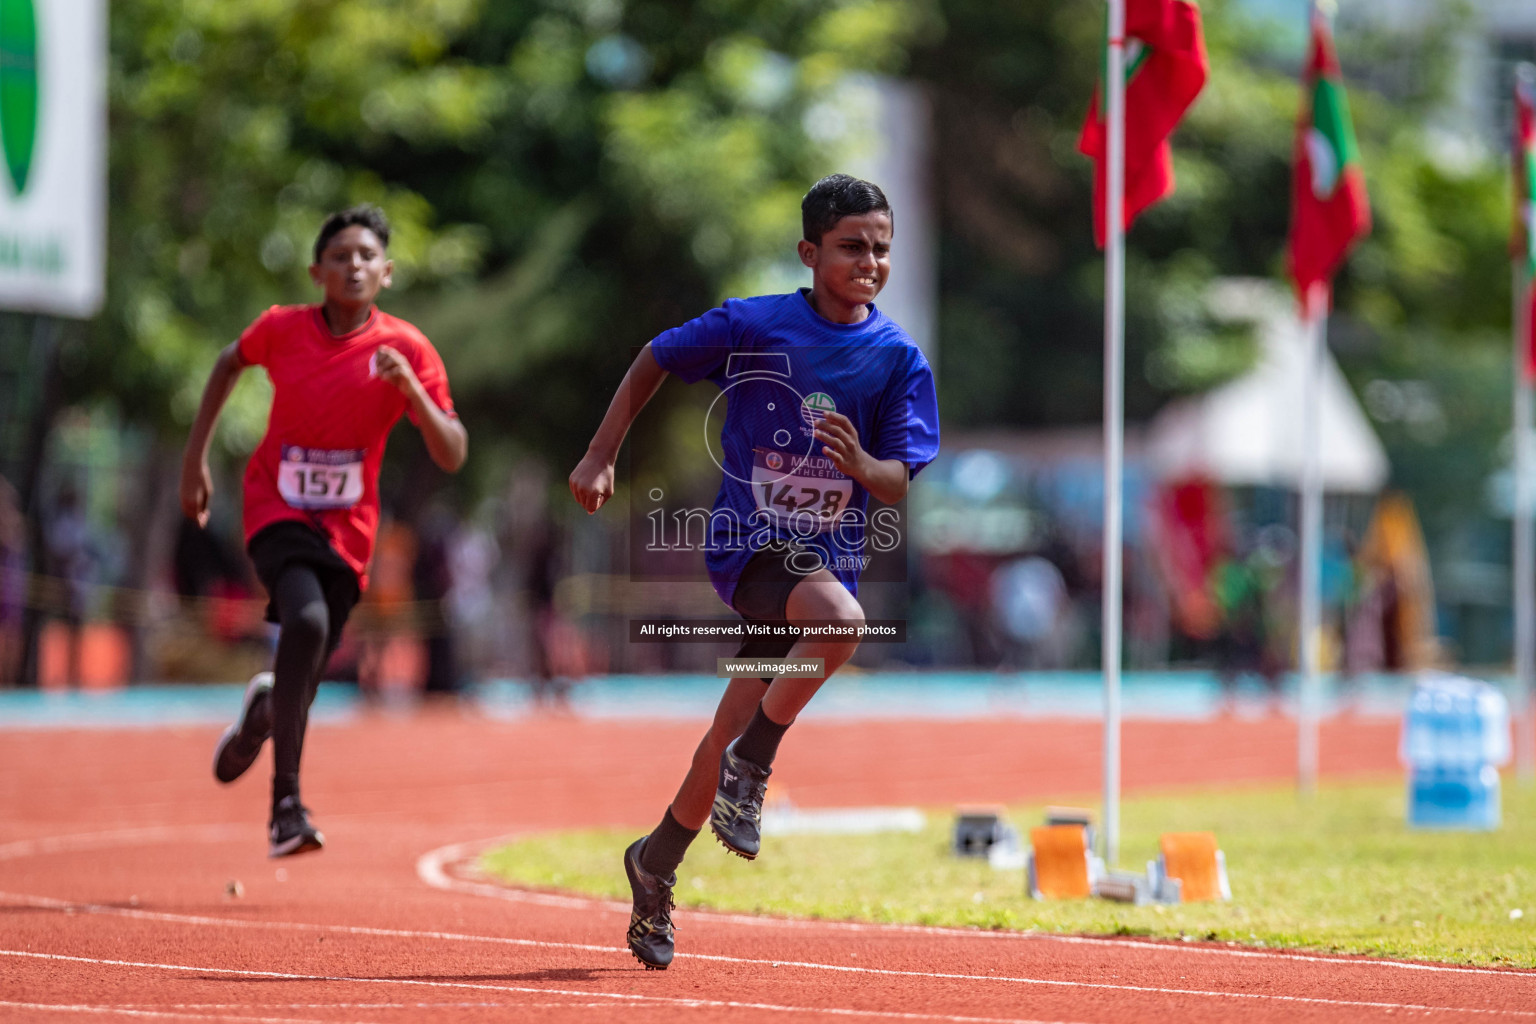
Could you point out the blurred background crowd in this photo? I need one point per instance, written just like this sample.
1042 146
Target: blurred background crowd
567 178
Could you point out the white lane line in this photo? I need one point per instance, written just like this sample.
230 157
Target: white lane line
433 869
174 1014
352 1006
880 972
438 936
612 997
335 929
123 837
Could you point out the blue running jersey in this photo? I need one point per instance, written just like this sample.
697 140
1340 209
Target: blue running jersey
781 366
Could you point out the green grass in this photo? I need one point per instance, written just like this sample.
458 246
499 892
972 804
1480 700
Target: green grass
1340 873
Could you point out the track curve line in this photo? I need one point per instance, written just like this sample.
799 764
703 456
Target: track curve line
436 869
614 998
440 936
127 891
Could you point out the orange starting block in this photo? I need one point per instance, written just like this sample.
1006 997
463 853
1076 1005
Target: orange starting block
1194 859
1059 866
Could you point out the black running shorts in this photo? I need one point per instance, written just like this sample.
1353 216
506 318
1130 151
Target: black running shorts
276 547
762 592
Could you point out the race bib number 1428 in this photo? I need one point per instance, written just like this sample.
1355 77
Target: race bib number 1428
804 491
320 477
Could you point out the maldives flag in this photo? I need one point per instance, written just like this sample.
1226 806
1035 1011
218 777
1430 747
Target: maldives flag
1165 69
1329 208
1522 241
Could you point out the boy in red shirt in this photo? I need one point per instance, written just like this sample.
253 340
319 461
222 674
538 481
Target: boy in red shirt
342 374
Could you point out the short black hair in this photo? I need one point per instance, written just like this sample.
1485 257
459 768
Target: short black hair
837 196
364 215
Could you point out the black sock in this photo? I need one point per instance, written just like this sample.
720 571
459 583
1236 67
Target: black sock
760 742
284 786
666 846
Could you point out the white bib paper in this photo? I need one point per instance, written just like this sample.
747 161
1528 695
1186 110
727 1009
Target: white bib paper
316 478
807 491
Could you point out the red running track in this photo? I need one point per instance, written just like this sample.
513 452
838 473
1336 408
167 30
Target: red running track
116 848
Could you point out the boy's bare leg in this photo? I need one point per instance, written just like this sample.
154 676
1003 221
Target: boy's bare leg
763 710
651 861
817 600
750 709
694 797
736 814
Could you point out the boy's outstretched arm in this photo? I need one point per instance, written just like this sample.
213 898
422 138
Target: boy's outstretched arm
196 480
592 479
447 440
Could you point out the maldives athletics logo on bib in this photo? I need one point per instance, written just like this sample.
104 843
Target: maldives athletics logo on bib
18 88
813 407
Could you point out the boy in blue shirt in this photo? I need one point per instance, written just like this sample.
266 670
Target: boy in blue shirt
828 403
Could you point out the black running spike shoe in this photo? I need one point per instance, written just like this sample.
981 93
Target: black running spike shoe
736 819
650 923
291 832
241 742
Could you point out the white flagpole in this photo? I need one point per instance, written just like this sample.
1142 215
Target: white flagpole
1308 697
1114 419
1524 562
1525 470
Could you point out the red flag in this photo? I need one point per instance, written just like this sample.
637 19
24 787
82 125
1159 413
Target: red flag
1522 240
1193 536
1329 208
1165 68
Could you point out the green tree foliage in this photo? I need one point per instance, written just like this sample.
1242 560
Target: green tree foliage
233 128
569 177
565 177
1421 322
1021 287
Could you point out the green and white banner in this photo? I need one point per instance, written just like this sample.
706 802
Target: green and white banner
53 131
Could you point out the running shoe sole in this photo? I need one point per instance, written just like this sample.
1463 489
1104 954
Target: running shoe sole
723 842
307 842
295 834
240 761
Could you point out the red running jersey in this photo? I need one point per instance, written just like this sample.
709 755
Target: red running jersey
331 414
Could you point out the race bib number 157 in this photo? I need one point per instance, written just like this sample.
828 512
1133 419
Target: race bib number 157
320 477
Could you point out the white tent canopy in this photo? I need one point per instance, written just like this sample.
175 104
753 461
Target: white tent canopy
1248 432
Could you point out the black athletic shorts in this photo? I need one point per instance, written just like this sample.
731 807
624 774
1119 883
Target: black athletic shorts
762 592
276 547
